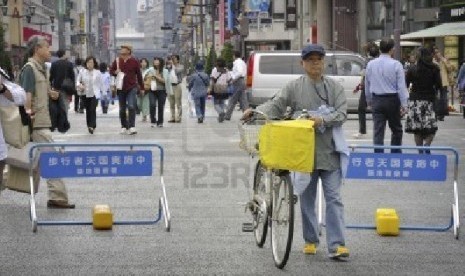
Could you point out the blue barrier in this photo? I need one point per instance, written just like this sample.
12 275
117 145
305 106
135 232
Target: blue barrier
402 167
55 162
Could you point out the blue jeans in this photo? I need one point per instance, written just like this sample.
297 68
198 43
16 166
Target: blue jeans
105 100
127 100
200 106
331 182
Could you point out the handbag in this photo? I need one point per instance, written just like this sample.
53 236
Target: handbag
18 170
153 85
68 86
173 77
15 133
119 78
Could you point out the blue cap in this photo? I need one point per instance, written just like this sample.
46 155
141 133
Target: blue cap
313 48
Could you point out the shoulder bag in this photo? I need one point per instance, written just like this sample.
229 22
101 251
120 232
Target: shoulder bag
68 86
119 77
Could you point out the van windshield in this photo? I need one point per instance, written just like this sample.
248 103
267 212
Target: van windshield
285 65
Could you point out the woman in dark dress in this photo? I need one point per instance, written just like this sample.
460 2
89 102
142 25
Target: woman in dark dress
425 80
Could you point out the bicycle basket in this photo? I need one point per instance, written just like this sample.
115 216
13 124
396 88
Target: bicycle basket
288 145
249 136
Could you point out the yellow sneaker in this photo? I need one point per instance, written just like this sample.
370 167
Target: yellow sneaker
310 249
341 253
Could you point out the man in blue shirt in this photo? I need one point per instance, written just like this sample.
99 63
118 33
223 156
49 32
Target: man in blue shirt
386 93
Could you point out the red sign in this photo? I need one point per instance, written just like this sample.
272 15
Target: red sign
221 19
313 34
106 34
28 32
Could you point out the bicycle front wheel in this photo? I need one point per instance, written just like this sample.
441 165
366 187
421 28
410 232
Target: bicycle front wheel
260 212
282 218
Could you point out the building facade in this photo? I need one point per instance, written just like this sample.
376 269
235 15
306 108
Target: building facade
337 24
23 19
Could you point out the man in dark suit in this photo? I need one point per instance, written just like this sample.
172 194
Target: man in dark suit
61 69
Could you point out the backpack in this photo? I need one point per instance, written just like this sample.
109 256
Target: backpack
220 84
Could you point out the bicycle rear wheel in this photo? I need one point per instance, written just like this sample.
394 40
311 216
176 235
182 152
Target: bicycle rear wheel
260 212
282 218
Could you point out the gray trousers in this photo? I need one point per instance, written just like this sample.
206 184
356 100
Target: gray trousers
239 95
56 187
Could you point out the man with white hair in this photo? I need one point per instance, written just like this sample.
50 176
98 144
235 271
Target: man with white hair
35 81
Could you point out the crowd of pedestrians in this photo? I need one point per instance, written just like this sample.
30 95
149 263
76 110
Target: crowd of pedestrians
137 86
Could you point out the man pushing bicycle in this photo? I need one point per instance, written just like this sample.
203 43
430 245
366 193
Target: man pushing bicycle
326 101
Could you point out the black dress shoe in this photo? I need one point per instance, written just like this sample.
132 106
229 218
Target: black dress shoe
56 204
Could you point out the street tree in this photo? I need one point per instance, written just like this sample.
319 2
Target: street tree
227 53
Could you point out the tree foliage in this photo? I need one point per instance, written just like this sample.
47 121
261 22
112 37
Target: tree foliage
228 53
211 60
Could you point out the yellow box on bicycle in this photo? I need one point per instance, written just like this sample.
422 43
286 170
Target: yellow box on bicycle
288 145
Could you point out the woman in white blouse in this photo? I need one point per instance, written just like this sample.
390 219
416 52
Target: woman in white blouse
90 82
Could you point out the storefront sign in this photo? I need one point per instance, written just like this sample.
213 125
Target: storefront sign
291 14
451 52
451 41
28 32
221 19
262 5
452 13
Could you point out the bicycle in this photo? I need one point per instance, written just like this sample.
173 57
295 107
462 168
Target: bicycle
273 200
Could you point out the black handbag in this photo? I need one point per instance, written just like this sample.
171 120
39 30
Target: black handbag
441 107
68 86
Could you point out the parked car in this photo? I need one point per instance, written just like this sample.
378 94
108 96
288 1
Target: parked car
269 71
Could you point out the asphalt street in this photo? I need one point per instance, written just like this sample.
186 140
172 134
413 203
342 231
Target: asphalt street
206 178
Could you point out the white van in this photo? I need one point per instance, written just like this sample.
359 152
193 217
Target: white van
268 72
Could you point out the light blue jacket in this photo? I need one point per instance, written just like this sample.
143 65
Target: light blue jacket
198 84
461 78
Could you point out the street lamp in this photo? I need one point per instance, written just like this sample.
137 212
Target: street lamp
52 22
31 11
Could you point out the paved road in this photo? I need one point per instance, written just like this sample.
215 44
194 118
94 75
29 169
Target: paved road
206 178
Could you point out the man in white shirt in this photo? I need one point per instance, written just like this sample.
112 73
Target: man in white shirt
238 75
